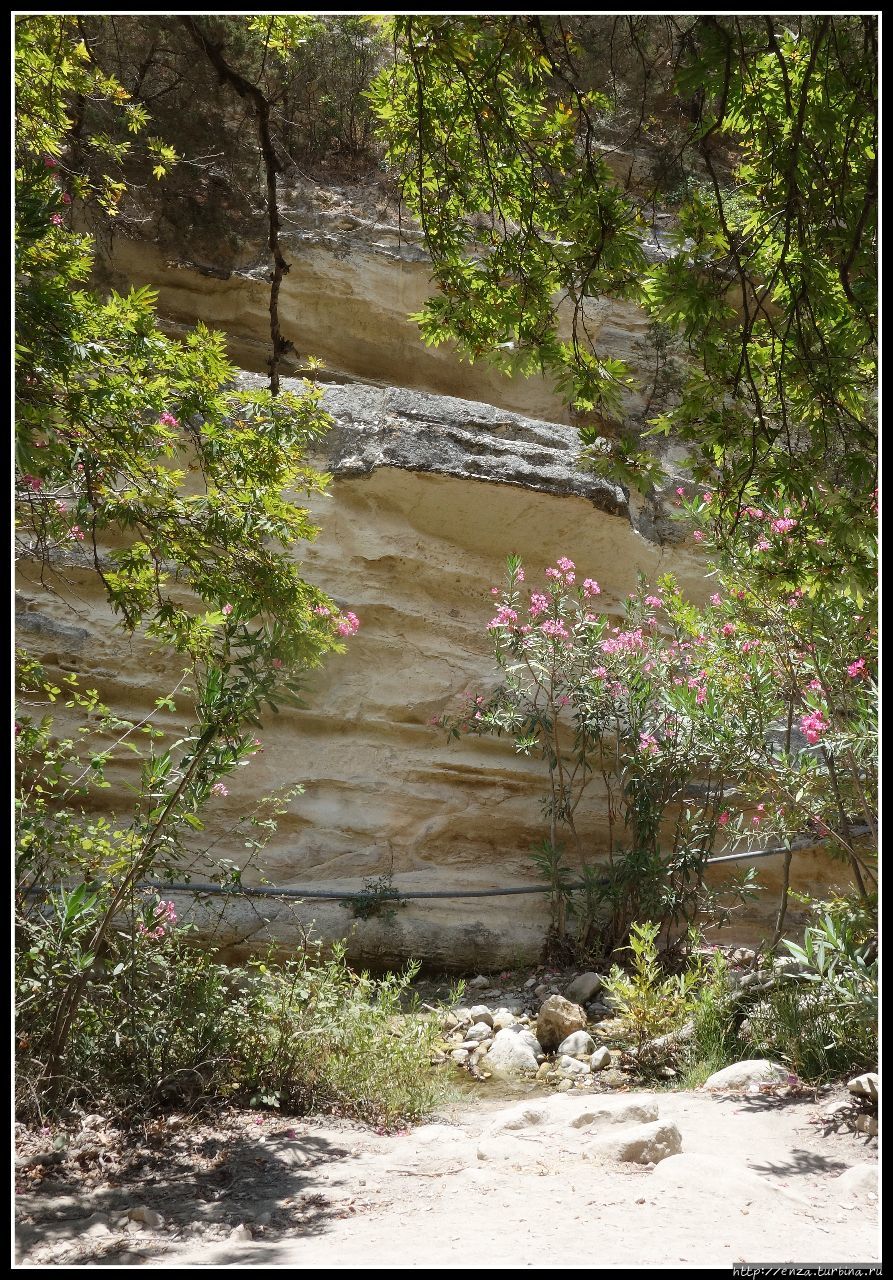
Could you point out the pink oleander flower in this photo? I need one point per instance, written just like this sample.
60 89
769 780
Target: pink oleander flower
716 599
348 624
226 610
762 545
565 565
553 574
555 629
648 744
66 198
50 162
723 819
520 575
728 629
32 482
755 513
815 684
856 669
60 506
219 789
564 701
783 526
538 604
625 642
76 532
591 588
506 617
681 492
168 420
320 610
701 696
708 498
813 726
57 220
698 536
654 602
494 591
277 664
600 673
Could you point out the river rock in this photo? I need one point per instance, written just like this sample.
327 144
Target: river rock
751 1071
583 988
480 1013
600 1059
558 1018
511 1054
860 1181
478 1032
572 1066
576 1043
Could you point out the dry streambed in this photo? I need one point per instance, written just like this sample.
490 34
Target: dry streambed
647 1179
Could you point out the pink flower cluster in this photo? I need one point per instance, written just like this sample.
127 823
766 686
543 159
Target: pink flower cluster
505 617
165 917
168 420
555 629
348 624
219 789
538 604
591 588
813 725
783 526
857 669
32 482
624 642
655 602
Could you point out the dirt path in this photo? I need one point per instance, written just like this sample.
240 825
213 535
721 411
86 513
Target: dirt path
757 1182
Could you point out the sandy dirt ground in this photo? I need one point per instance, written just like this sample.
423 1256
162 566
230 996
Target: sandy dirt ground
759 1180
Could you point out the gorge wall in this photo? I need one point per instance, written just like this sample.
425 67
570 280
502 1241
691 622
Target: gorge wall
439 471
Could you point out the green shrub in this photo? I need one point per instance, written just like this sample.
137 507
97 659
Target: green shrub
714 1041
823 1020
651 1003
167 1025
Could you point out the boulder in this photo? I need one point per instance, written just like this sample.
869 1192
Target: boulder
558 1018
478 983
583 988
578 1043
641 1144
751 1071
572 1066
512 1054
867 1086
600 1059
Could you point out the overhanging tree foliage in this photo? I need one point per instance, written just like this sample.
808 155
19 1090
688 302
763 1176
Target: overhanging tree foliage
505 133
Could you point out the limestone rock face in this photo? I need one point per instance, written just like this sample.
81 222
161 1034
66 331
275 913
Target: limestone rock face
440 470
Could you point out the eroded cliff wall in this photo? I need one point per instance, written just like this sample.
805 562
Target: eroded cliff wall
430 492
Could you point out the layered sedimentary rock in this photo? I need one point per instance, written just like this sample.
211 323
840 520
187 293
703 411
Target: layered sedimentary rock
430 493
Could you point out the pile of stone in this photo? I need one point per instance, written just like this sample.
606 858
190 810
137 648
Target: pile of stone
535 1033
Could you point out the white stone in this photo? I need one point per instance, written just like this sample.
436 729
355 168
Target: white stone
867 1086
572 1066
511 1054
577 1042
240 1233
480 1031
751 1071
600 1059
641 1144
480 1013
